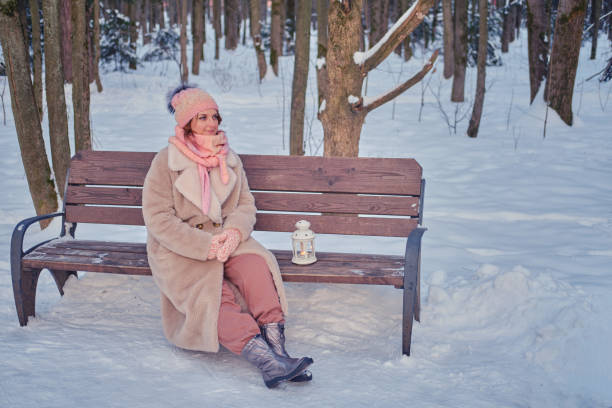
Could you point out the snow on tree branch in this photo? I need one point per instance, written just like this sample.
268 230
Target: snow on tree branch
410 20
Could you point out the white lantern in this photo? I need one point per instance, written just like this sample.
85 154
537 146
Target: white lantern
303 244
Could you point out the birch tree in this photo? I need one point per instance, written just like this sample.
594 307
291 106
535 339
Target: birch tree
344 109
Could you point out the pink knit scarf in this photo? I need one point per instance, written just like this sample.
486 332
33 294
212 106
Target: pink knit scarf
213 154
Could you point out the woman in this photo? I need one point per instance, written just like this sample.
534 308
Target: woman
199 215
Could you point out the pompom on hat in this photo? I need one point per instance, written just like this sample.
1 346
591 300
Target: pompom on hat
186 101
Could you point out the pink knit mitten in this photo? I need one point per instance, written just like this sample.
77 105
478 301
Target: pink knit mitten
229 246
215 244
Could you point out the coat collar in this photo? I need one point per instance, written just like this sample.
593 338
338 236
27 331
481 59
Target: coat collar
189 185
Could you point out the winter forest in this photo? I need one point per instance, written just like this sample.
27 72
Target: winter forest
506 105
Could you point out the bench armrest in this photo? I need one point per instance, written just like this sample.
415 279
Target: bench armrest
412 268
19 232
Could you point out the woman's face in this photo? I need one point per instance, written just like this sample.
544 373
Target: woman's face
205 122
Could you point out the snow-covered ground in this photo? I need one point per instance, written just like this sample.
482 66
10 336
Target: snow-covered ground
516 262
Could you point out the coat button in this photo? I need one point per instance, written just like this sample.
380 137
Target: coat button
216 224
199 226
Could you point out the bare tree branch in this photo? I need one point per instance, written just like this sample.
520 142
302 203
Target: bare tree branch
396 34
401 88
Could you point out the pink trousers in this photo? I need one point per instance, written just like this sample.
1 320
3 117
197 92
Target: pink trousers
251 275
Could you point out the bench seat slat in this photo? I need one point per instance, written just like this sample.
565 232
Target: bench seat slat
129 258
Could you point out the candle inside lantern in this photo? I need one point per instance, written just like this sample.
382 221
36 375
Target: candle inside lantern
303 244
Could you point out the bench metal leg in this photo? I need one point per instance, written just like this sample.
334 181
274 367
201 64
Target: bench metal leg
24 289
408 314
60 278
412 293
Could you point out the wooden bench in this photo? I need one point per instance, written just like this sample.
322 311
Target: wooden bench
350 196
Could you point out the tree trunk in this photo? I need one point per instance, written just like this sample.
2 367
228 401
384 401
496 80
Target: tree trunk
461 14
482 66
56 99
538 26
512 22
37 51
449 45
564 57
232 27
162 15
144 29
257 42
609 20
96 42
217 24
300 77
80 80
133 32
25 112
264 10
341 124
290 19
182 8
434 21
322 80
244 7
275 35
66 44
518 15
197 20
375 12
344 111
174 11
405 4
596 14
507 26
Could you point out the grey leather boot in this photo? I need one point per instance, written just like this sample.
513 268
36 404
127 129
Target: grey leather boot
274 335
274 368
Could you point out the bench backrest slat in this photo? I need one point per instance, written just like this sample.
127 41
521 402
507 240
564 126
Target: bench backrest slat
110 168
106 187
338 174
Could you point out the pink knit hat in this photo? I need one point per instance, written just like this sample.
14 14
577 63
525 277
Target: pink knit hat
185 102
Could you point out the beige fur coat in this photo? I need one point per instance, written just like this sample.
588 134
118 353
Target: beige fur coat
179 236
